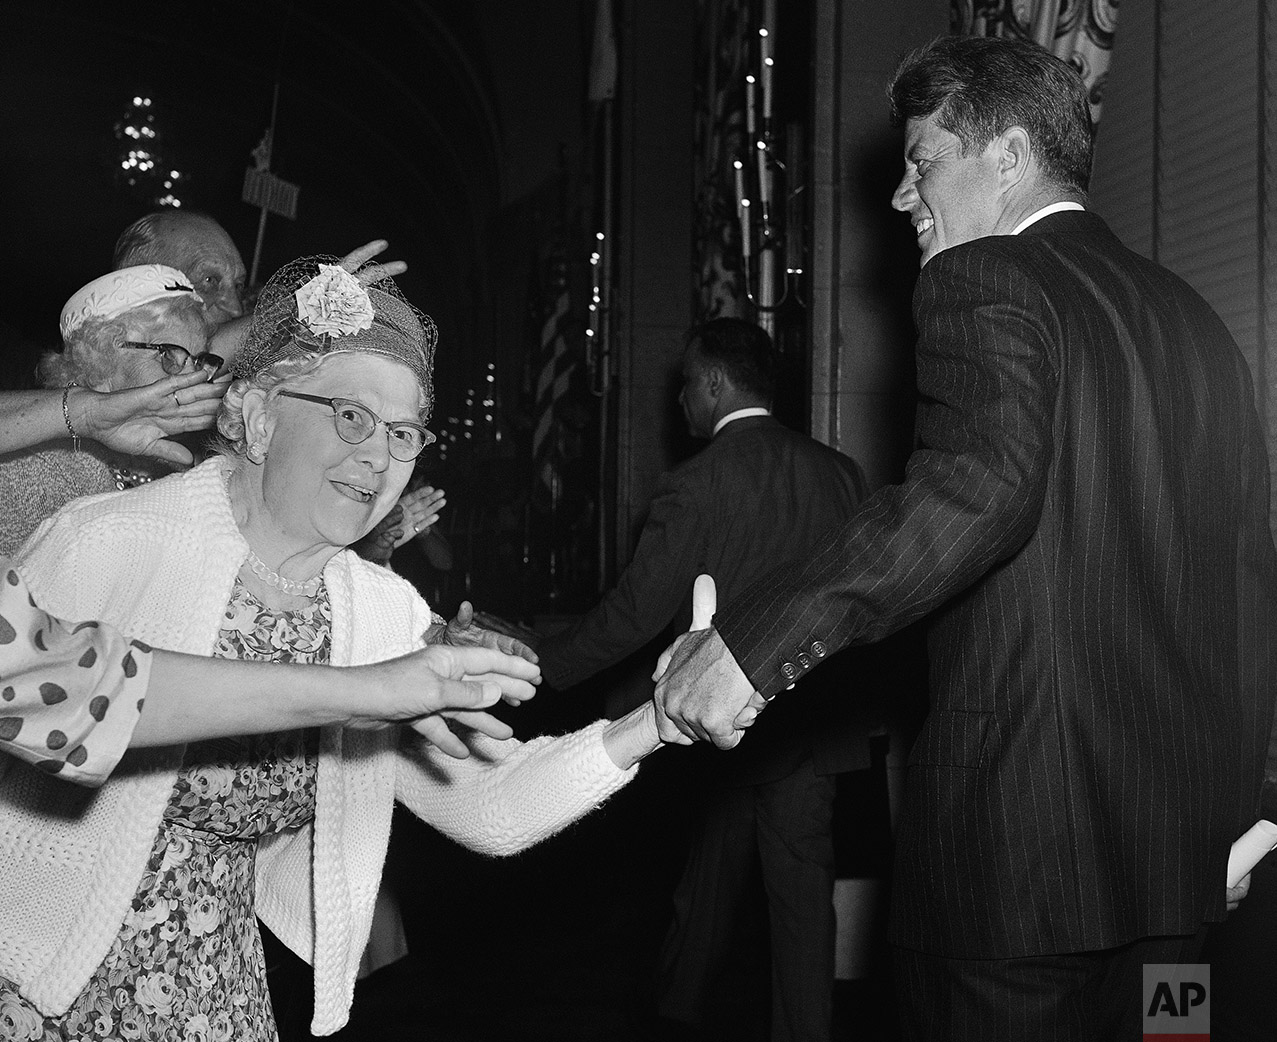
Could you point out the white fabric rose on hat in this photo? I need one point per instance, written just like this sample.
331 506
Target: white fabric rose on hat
334 303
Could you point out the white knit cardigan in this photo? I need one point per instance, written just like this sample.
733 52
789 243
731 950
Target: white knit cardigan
159 562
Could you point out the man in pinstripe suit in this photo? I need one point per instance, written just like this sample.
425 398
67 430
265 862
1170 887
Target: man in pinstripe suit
1085 523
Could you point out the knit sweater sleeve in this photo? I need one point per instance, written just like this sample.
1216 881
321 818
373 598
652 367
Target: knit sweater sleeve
508 796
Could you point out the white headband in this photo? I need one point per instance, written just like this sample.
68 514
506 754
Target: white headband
120 291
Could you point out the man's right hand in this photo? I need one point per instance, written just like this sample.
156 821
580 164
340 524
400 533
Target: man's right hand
704 695
442 683
701 693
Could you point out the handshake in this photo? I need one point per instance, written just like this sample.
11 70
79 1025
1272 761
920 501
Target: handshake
701 692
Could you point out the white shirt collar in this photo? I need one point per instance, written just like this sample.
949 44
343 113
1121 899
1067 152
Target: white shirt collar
740 414
1037 215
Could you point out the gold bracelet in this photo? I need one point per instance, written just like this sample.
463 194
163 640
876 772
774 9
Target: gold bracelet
66 416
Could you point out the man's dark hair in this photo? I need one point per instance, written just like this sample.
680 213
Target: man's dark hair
978 86
744 351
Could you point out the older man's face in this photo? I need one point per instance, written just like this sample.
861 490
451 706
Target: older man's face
950 198
205 253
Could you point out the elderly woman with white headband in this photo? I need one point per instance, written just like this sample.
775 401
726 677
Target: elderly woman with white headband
127 329
135 909
133 371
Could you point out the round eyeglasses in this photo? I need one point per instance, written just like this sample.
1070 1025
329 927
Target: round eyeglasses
355 423
174 358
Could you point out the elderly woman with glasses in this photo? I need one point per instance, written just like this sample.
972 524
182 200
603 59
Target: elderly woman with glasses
131 328
133 912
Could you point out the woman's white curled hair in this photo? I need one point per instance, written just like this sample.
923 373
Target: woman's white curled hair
232 440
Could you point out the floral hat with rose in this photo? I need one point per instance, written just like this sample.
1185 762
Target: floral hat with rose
315 306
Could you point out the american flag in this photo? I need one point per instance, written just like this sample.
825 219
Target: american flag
552 384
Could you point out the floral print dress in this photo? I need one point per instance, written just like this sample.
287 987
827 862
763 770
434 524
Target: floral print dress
187 963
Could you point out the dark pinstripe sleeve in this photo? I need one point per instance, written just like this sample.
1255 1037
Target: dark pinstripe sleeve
1257 605
972 492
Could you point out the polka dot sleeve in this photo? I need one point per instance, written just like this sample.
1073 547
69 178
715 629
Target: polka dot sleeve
70 693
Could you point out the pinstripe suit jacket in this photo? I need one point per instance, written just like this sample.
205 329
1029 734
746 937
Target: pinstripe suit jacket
1086 522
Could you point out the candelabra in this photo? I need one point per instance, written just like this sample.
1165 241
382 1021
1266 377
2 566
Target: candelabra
770 234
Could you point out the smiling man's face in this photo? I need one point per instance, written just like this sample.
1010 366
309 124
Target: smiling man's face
950 198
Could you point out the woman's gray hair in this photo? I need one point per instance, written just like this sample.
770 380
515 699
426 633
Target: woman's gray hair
232 439
91 355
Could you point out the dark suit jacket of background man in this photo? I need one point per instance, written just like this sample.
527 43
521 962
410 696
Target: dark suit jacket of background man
1087 520
758 496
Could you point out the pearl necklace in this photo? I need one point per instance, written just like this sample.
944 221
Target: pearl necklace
125 478
277 582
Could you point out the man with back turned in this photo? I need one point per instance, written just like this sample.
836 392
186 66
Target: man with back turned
756 496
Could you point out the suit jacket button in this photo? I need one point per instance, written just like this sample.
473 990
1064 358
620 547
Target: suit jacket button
818 648
788 670
804 659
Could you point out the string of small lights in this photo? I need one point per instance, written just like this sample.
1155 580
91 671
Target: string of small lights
142 164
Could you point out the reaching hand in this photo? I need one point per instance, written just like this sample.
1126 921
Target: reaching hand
415 512
379 544
464 631
701 693
421 509
438 683
355 260
139 421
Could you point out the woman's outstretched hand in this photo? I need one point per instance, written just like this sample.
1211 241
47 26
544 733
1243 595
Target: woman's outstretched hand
190 698
413 515
465 632
441 683
139 421
421 509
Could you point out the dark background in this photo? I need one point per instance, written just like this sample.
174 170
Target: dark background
429 124
454 129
